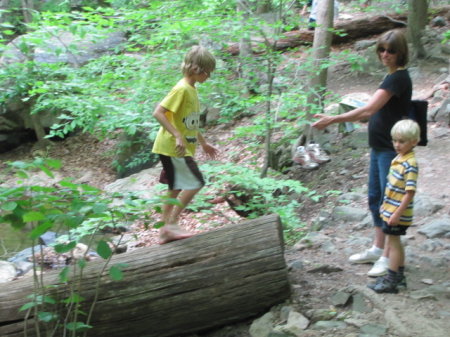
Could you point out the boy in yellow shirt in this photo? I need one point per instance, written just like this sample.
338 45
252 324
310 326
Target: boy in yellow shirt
397 208
176 141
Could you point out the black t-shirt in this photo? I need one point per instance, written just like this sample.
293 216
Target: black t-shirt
380 124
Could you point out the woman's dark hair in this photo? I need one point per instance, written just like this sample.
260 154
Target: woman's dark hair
394 40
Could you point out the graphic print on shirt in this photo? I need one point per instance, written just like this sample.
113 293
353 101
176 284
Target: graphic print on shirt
192 123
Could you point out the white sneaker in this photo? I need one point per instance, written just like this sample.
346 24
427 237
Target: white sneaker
379 268
365 257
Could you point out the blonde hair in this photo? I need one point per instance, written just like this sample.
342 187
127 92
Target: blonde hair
198 60
406 129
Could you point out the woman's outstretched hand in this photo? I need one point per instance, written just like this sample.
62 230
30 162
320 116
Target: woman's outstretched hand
323 121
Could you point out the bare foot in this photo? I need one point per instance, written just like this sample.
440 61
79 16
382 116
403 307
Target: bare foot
169 233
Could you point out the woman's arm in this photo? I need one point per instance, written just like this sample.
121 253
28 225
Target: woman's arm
376 102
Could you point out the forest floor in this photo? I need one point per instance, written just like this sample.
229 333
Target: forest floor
85 156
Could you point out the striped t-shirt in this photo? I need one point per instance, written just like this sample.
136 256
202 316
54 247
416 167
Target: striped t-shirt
402 177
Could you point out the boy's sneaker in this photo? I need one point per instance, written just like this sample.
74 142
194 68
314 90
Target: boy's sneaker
384 284
365 257
303 158
317 154
401 282
379 268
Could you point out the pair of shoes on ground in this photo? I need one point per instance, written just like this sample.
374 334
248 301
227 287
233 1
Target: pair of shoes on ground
381 264
310 156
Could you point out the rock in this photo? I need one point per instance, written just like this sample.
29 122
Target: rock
348 214
436 228
340 298
7 271
424 205
327 325
262 326
296 324
137 183
359 304
316 315
374 330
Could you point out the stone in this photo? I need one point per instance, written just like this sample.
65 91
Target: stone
348 214
439 227
7 271
359 304
262 326
340 298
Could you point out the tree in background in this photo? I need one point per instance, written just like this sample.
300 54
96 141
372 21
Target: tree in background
417 20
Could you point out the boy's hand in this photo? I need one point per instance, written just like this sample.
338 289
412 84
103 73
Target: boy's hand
393 220
210 150
180 147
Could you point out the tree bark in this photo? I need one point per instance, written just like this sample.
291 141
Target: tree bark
353 30
417 19
321 53
209 280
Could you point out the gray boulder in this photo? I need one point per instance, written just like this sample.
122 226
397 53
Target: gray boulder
436 228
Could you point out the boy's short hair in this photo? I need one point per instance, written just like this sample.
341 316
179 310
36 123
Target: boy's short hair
198 60
406 129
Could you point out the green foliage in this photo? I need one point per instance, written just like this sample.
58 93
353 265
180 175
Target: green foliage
264 195
80 211
446 37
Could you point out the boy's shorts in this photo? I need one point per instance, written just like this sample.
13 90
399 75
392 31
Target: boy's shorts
180 173
394 230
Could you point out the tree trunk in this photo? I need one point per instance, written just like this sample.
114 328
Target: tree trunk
321 52
4 4
353 30
209 280
417 20
27 9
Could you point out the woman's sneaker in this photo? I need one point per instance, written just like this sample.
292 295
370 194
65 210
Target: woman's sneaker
303 158
365 257
379 268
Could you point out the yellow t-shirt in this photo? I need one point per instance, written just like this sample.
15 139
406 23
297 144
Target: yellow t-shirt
184 114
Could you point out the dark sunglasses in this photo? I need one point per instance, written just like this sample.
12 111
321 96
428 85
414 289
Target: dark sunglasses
389 50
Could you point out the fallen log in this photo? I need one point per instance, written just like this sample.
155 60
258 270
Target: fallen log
209 280
349 31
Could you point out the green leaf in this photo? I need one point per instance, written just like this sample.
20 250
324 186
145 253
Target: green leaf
74 298
33 216
64 275
41 229
45 316
46 171
75 326
158 225
27 306
9 206
103 249
115 273
65 247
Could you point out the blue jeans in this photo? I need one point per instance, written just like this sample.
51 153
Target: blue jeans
380 162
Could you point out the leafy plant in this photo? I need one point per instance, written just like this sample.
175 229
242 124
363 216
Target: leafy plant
80 211
263 195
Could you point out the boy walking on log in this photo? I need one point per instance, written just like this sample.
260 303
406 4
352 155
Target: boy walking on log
176 141
397 208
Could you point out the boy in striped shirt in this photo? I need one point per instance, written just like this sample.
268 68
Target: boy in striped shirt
397 208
